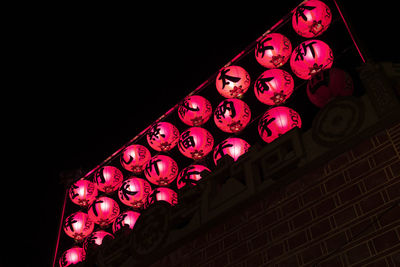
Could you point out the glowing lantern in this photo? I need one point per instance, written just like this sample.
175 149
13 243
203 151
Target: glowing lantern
134 158
273 87
161 170
232 115
163 136
108 179
329 84
234 147
134 192
232 81
277 121
163 194
195 143
78 225
190 175
195 110
96 239
311 57
83 193
72 256
273 50
126 218
311 18
104 211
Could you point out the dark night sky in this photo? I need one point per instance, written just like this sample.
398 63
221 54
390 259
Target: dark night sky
94 77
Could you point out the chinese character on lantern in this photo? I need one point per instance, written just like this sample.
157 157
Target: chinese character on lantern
234 147
273 50
108 179
191 175
103 211
78 226
163 136
195 143
195 110
232 82
161 170
232 115
134 192
83 193
135 157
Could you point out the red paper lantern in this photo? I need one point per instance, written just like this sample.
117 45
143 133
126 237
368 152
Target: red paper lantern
161 170
232 115
195 143
311 57
232 81
83 193
234 147
163 194
135 157
134 192
108 179
311 18
273 87
126 218
329 84
104 211
277 121
273 51
78 225
163 136
96 239
190 175
195 110
72 256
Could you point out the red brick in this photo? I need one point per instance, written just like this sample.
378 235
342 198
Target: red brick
362 228
396 258
390 216
324 207
221 260
267 219
372 202
240 251
358 253
254 209
395 168
320 228
290 207
375 179
280 229
336 241
345 216
213 249
302 219
289 262
312 195
311 253
333 262
275 251
358 169
231 239
349 193
378 263
384 155
334 182
382 137
338 162
255 260
297 240
362 148
393 191
386 241
215 232
248 229
260 240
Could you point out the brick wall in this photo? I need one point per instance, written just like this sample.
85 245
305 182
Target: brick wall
341 214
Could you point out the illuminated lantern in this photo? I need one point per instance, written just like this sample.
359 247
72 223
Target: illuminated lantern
163 194
273 87
134 192
108 179
190 175
72 256
96 239
104 211
195 143
161 170
329 84
311 57
232 81
273 50
78 225
232 115
163 136
126 218
277 121
135 157
83 193
234 147
311 18
195 110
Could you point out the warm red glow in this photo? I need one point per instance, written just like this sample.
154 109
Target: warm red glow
135 157
273 51
72 256
311 57
195 110
108 179
78 225
232 115
277 121
163 194
96 239
232 81
273 87
161 170
195 143
104 211
190 175
83 192
311 18
234 147
134 192
163 136
126 218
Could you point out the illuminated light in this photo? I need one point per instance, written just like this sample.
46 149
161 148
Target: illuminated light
277 121
273 87
103 211
311 18
96 239
108 179
190 175
128 218
273 50
163 194
311 57
232 115
234 147
161 170
232 82
163 136
195 110
134 192
83 192
72 256
195 143
78 226
134 158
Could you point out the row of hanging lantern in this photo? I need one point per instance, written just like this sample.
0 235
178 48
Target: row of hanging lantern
310 60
